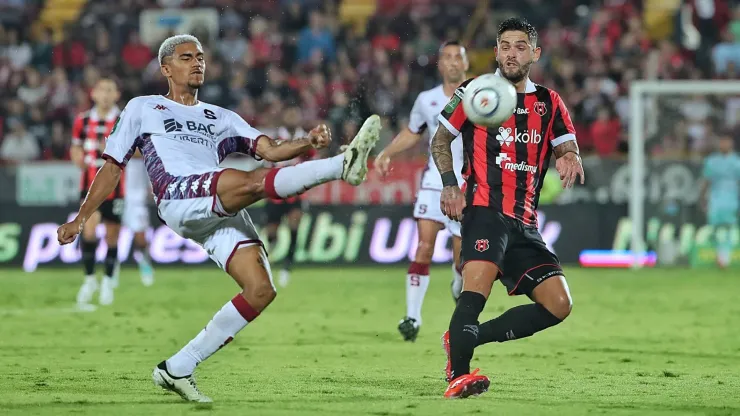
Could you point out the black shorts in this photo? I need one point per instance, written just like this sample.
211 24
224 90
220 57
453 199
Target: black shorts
521 255
111 210
276 211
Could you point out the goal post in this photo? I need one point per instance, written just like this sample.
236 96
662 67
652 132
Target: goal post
643 96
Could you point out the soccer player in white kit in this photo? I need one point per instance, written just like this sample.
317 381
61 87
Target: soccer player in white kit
183 141
452 64
136 214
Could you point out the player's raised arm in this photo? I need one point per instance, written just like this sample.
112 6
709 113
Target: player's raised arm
120 145
565 146
406 139
278 150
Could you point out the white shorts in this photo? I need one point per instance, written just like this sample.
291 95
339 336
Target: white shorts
219 235
136 216
427 208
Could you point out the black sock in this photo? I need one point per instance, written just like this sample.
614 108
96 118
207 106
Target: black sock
464 331
88 256
288 262
111 261
518 322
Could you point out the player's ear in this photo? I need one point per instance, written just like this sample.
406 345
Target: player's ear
537 53
165 69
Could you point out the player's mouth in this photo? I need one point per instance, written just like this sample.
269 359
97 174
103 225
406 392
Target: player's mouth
197 72
512 65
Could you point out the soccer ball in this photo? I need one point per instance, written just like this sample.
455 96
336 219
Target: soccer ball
489 100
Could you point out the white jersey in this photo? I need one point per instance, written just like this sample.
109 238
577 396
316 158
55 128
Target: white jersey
182 145
137 182
424 117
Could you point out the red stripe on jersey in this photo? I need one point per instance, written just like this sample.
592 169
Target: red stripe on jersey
534 123
508 176
91 134
458 117
564 125
480 165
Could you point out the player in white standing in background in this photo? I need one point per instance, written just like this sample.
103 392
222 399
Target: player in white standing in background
183 140
136 214
452 64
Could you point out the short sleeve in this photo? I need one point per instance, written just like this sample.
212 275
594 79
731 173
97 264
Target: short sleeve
417 124
77 131
121 143
562 126
453 115
241 138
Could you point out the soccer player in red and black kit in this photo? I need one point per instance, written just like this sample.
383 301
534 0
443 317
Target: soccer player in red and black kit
506 167
89 132
291 209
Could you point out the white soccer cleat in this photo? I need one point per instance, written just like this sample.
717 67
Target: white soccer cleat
354 169
86 292
284 278
184 386
106 291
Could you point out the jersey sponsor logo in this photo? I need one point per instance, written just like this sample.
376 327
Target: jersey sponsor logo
521 111
454 101
160 107
507 135
504 161
195 140
171 125
540 108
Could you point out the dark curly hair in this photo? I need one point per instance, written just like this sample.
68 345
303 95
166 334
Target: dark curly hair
518 24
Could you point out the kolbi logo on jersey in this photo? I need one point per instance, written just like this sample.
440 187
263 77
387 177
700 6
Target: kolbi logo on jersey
508 135
504 161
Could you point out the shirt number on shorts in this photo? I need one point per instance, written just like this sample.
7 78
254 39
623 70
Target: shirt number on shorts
422 209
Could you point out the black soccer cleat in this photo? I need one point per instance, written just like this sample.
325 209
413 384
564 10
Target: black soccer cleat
409 329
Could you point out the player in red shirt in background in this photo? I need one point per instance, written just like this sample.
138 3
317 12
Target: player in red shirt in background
89 132
289 209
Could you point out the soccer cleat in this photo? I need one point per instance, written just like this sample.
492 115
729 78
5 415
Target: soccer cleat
446 347
184 386
467 385
86 292
409 329
147 274
284 278
354 169
106 290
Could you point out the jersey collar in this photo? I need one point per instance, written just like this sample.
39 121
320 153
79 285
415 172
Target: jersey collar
529 88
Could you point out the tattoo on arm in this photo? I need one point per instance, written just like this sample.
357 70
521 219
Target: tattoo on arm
563 148
442 150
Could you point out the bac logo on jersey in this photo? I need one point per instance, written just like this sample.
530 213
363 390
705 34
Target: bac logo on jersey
508 135
171 125
540 108
481 245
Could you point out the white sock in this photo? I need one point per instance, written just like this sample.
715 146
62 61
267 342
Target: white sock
417 282
293 180
222 328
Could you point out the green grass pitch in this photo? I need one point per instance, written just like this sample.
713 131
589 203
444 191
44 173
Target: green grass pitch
656 342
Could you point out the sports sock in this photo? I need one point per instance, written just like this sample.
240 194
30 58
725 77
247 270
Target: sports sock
518 322
288 262
141 255
222 328
294 180
111 261
464 331
417 282
723 245
88 256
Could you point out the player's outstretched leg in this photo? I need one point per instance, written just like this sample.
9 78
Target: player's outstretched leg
238 189
249 268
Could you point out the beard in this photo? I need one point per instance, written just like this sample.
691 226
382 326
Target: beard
515 75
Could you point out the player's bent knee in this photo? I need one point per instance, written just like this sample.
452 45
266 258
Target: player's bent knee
478 276
560 306
424 252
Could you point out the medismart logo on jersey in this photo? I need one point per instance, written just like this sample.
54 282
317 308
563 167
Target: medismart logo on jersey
504 161
508 135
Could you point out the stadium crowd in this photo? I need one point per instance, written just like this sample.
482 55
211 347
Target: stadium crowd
270 55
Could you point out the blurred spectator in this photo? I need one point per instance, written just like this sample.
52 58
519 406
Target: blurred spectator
605 132
32 91
316 38
58 148
135 53
17 50
232 47
19 145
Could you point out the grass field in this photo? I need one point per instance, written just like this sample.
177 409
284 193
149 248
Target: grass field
652 343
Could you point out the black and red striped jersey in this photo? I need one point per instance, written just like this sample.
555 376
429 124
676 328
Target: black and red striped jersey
90 132
505 166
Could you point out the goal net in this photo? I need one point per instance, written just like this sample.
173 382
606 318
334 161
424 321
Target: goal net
674 126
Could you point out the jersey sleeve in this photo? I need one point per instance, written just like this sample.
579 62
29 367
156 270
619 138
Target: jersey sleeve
121 143
417 125
562 129
241 138
706 171
77 131
453 115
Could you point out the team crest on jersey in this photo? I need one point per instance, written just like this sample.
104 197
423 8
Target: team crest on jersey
481 245
540 108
